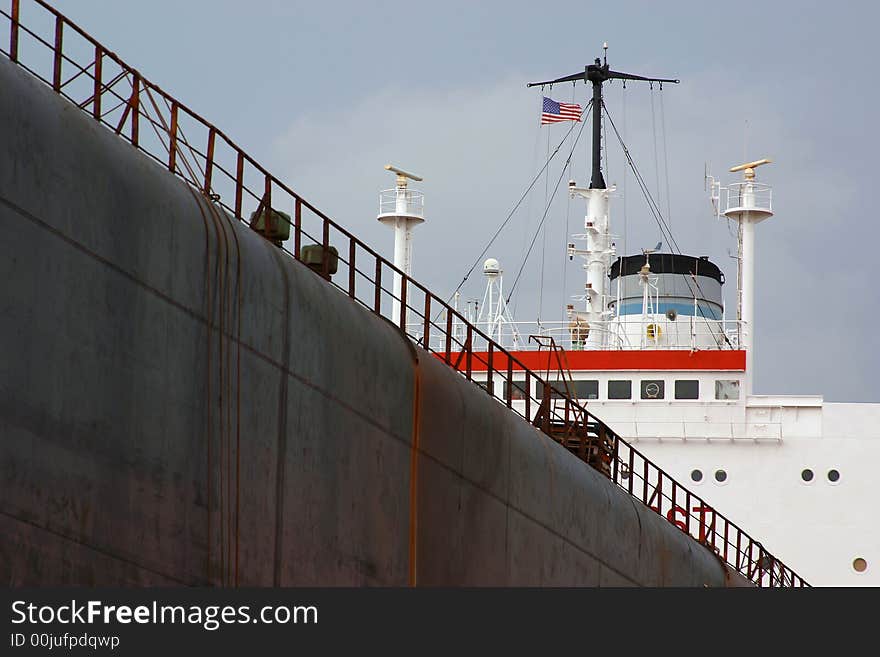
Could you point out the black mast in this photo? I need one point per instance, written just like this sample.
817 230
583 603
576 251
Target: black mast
597 74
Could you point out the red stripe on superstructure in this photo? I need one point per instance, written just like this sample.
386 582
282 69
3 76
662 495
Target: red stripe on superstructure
595 361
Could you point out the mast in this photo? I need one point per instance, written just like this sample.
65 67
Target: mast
401 209
600 251
748 202
597 74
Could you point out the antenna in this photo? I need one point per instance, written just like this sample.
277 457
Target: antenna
749 167
402 175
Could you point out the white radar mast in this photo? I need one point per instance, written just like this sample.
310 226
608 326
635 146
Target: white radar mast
494 314
749 203
402 209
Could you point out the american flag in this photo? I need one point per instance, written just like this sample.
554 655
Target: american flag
554 112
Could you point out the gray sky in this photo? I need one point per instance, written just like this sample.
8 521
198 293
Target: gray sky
324 94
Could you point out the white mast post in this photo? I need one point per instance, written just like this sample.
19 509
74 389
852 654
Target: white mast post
749 203
402 209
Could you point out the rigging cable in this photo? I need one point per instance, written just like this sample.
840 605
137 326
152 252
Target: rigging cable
623 244
665 155
654 131
547 209
511 213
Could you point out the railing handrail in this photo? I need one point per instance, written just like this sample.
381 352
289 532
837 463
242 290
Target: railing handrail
563 419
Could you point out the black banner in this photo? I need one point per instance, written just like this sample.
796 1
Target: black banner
84 621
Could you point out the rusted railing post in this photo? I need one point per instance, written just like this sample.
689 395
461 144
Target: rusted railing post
13 31
57 50
614 458
99 68
448 336
469 350
426 331
209 160
528 387
239 182
172 139
297 235
135 107
377 302
325 249
351 266
403 307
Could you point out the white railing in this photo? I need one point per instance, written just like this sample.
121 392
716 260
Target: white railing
686 332
412 202
746 195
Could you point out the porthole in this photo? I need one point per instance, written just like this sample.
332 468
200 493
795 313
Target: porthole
720 476
833 476
807 475
697 475
860 565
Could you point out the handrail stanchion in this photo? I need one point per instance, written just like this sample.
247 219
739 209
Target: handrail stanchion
404 309
377 306
426 330
209 161
325 258
57 50
135 107
172 142
99 67
239 183
297 233
510 386
448 347
13 31
351 267
490 379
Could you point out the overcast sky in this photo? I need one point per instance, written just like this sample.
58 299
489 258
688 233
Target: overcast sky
325 94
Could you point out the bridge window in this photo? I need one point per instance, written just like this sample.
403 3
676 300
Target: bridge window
579 389
727 389
653 389
687 389
620 390
587 389
519 390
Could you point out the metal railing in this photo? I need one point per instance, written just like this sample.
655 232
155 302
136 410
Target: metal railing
750 194
625 334
415 202
75 65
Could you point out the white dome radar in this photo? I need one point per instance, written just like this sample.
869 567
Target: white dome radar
491 266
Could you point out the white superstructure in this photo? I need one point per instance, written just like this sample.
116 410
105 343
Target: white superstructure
653 357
